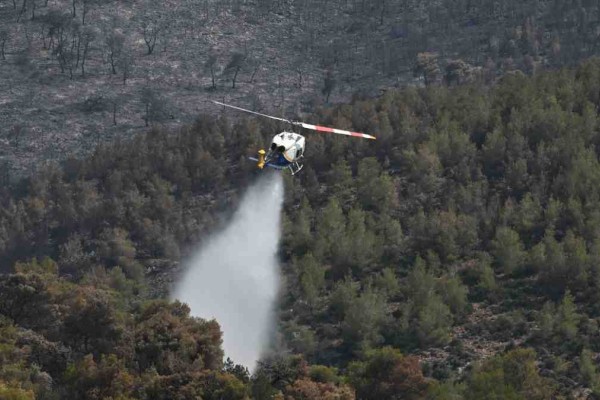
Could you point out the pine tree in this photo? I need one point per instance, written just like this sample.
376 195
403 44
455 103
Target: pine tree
363 320
312 278
567 318
454 294
331 231
299 238
387 374
507 250
420 284
546 320
343 294
433 322
340 179
587 369
361 245
375 190
387 282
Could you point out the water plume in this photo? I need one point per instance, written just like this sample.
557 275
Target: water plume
234 276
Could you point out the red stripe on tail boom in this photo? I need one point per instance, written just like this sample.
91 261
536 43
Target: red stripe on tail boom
323 128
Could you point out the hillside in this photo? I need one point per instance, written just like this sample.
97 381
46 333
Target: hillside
76 73
455 257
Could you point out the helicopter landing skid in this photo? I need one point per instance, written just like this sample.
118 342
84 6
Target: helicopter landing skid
295 168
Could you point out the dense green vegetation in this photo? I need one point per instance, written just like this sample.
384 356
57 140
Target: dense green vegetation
458 256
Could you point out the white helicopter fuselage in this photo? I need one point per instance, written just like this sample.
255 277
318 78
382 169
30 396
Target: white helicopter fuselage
289 144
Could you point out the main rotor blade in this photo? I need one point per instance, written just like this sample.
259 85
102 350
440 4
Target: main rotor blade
302 124
334 130
251 112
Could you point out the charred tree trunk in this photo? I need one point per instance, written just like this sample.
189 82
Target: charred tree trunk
83 57
254 73
237 70
23 10
84 11
112 62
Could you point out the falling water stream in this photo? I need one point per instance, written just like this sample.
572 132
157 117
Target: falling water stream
234 276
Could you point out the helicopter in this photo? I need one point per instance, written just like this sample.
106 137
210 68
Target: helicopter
287 148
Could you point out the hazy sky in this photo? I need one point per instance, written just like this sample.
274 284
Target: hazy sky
234 276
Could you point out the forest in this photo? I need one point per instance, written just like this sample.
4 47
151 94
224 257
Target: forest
74 73
456 257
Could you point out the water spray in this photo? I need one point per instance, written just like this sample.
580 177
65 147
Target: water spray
234 276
